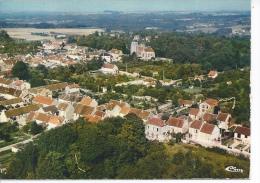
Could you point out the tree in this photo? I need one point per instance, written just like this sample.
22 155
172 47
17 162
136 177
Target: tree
21 71
52 167
35 128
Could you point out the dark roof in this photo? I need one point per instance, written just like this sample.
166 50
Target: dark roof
51 108
10 91
21 110
11 101
242 130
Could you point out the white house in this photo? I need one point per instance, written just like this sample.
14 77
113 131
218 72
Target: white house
72 88
156 129
106 57
178 125
223 120
116 55
209 135
208 105
213 74
44 101
66 111
109 69
194 129
18 114
194 113
88 101
242 134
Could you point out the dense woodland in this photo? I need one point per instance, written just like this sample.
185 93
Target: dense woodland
116 148
212 52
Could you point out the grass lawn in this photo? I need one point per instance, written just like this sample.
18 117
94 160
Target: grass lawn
5 158
16 137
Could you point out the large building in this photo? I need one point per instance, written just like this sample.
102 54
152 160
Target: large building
141 51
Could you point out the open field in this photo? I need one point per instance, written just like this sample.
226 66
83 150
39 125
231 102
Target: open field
25 33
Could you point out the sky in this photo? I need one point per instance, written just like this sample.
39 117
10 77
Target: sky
90 6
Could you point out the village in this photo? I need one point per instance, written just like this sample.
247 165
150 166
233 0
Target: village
203 123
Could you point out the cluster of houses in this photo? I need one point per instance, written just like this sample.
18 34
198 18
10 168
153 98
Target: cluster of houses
205 125
37 104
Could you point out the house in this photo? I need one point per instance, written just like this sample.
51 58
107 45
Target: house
88 101
82 110
20 85
209 135
155 129
144 115
55 121
208 105
70 97
116 55
109 69
185 103
213 74
5 82
194 113
224 120
42 100
242 134
117 108
194 129
9 93
178 125
18 114
209 117
49 121
66 110
106 57
72 88
11 103
52 110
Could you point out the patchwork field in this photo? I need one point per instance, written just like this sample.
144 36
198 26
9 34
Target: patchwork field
25 33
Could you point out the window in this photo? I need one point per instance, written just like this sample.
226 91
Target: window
245 136
196 131
157 129
238 135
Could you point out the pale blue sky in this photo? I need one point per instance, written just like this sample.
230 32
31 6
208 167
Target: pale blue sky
122 5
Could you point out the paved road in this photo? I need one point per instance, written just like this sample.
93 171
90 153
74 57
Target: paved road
22 142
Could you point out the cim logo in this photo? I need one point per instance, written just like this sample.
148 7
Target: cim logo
234 169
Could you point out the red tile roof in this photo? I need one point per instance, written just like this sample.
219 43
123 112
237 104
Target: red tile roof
212 102
177 122
108 66
242 130
43 100
222 116
194 111
207 128
208 117
156 121
196 124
